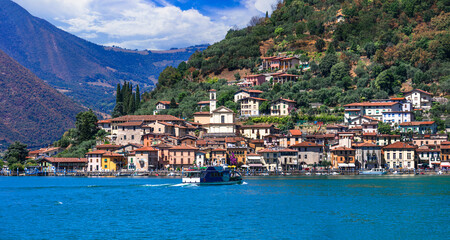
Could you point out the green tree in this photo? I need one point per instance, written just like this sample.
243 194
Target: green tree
173 103
327 63
237 76
339 71
138 97
16 153
118 110
386 81
320 44
384 128
86 125
279 31
264 108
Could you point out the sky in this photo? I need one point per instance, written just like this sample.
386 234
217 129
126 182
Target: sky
148 24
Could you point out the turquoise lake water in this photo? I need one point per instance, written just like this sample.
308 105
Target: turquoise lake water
416 207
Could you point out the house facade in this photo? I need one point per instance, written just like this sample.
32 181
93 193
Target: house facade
420 99
282 107
399 155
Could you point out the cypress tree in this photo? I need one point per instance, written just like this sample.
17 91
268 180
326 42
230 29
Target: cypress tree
126 98
138 97
119 97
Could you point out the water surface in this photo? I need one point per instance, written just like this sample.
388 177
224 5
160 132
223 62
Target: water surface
415 207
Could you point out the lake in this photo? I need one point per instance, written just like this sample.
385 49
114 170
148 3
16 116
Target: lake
333 207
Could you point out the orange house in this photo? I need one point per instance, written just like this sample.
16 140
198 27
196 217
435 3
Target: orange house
343 157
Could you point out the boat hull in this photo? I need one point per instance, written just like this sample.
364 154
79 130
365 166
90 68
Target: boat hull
372 173
220 183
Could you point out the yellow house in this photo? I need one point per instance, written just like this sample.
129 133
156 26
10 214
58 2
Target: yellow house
113 161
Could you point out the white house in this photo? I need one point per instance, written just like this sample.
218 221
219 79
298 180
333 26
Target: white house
371 109
397 117
420 99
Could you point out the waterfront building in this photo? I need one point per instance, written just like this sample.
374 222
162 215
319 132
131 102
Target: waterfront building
368 155
399 155
200 159
282 107
309 153
425 127
445 155
182 156
113 161
94 160
420 99
288 159
271 157
202 117
343 158
145 159
293 137
428 157
256 162
218 156
52 164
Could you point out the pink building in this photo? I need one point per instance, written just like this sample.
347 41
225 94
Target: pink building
255 80
182 156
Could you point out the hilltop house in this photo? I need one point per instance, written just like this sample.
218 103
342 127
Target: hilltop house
420 99
425 127
282 107
162 105
250 106
244 93
370 109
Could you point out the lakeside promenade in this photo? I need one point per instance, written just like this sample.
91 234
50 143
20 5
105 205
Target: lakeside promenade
166 173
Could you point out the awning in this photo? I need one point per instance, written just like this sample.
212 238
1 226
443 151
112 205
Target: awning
351 165
245 166
445 164
342 165
437 163
255 165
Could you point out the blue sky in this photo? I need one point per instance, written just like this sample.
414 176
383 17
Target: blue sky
148 24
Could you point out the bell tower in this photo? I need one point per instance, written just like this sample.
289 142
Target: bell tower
212 100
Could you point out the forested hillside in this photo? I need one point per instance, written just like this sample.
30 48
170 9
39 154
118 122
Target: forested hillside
357 51
80 69
31 111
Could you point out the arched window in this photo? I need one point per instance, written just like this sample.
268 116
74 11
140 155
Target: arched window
222 119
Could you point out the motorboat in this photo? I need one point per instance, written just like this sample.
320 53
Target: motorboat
214 175
373 171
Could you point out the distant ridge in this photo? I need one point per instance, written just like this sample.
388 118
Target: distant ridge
31 111
83 70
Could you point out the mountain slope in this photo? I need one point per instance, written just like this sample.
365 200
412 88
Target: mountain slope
31 111
83 70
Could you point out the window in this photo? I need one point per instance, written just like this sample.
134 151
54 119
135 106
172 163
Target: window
106 166
393 155
222 119
388 156
132 137
131 159
409 156
106 160
400 155
124 137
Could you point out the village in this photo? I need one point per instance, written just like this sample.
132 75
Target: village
142 144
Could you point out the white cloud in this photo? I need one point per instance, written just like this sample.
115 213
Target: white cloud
142 24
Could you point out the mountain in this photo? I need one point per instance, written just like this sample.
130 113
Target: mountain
355 51
85 71
31 111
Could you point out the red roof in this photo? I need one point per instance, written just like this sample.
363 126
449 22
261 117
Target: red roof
268 150
399 98
261 125
66 160
97 152
203 102
343 149
136 118
255 75
366 145
218 150
418 90
201 113
399 145
130 124
165 102
108 146
295 132
183 147
416 123
104 121
286 100
306 144
112 154
254 91
146 149
255 98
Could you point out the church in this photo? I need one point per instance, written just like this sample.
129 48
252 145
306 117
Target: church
221 120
